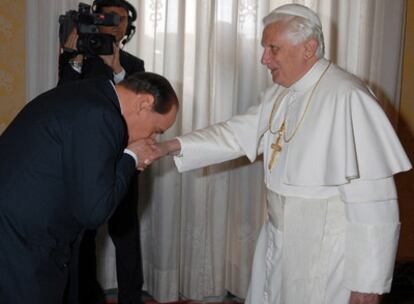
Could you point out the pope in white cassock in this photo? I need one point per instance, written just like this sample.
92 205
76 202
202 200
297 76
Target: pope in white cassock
330 154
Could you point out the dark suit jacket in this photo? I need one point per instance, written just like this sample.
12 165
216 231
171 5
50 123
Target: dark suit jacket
62 169
95 66
123 226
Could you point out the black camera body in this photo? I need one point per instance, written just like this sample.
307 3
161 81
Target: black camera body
90 42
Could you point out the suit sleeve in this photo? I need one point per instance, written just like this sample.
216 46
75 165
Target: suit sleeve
138 66
97 172
66 72
131 64
95 67
92 67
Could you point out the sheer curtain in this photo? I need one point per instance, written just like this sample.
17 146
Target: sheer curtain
198 229
42 43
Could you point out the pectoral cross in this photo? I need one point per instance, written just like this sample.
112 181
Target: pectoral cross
276 146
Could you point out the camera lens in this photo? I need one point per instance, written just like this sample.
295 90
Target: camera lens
95 43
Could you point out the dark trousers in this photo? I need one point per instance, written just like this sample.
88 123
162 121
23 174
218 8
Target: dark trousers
123 228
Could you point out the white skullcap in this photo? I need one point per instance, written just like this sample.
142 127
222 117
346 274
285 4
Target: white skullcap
298 10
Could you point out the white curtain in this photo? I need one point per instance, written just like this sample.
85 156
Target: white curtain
198 229
42 43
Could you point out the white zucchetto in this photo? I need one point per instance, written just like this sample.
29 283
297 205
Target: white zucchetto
299 10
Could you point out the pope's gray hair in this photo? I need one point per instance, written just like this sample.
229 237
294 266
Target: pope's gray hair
299 29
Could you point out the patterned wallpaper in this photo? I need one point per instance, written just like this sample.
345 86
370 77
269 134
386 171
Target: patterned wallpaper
12 60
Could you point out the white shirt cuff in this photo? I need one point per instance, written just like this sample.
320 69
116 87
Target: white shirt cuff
119 77
76 68
134 156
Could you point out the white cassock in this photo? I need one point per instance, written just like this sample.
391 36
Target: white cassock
333 222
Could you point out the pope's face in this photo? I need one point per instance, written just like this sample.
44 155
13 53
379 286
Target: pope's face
285 61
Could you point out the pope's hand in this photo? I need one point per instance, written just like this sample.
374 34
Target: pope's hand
162 149
169 147
145 151
364 298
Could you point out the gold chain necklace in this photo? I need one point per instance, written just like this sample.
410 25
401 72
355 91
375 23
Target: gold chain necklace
272 113
277 146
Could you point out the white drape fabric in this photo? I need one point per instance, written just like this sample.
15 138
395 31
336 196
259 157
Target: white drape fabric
198 229
42 43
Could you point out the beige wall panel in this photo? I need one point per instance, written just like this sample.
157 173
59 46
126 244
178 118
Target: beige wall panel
405 181
407 104
12 60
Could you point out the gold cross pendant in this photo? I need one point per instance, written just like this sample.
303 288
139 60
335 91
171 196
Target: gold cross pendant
276 147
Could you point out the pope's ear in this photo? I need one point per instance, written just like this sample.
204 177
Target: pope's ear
310 47
145 102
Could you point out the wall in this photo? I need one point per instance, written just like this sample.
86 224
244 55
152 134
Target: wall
405 181
407 96
12 60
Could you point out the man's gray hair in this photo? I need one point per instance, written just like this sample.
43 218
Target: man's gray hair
302 24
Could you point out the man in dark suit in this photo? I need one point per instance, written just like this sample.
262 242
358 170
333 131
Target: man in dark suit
75 66
66 161
123 225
